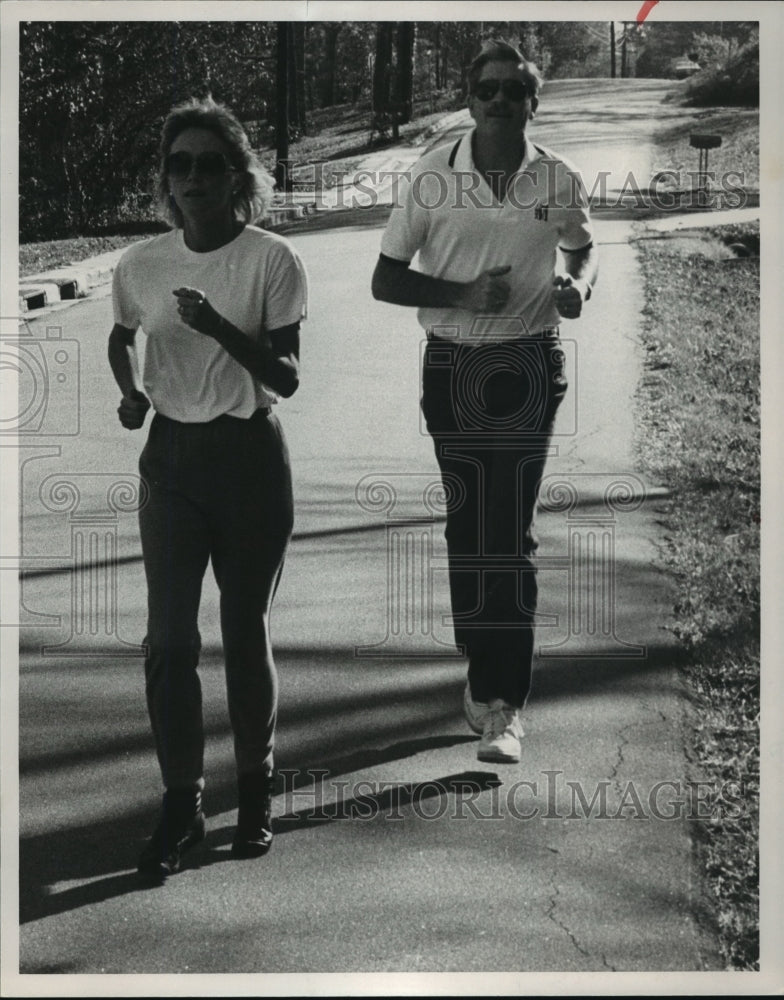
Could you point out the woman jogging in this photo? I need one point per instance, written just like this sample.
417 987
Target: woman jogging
220 302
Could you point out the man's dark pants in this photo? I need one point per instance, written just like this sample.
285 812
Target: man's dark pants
490 409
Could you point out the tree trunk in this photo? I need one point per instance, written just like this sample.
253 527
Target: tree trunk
404 91
623 52
296 53
464 64
531 43
291 77
612 49
329 95
307 69
299 49
437 57
382 68
282 106
467 52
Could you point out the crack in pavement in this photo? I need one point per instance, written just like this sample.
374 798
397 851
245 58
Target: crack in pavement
622 742
553 905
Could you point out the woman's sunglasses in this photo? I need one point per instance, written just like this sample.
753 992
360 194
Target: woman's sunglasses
209 164
513 90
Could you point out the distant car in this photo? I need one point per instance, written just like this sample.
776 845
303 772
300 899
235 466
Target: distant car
684 67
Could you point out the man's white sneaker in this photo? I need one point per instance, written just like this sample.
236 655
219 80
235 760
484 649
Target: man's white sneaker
500 743
475 711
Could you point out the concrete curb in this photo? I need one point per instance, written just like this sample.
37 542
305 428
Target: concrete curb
74 281
701 220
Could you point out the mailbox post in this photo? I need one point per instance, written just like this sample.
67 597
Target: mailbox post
703 141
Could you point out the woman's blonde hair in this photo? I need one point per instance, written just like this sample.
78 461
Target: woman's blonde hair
254 194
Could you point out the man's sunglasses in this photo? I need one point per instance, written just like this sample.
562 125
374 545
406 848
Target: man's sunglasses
209 164
513 90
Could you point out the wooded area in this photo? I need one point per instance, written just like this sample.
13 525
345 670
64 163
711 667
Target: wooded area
93 94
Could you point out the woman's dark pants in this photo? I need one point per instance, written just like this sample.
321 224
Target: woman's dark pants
218 491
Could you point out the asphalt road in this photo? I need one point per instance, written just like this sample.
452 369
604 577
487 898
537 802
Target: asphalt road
374 894
407 872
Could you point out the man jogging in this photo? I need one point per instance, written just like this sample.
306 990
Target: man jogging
505 247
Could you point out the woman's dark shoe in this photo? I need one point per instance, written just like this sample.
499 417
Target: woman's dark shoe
180 827
253 836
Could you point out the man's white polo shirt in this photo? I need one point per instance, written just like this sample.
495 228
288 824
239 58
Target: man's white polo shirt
448 215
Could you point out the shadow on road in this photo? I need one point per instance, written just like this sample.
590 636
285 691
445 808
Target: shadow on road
45 860
346 508
100 853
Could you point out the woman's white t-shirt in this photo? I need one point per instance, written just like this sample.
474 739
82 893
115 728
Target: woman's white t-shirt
257 282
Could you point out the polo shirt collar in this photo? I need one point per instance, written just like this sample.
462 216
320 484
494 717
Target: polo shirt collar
464 160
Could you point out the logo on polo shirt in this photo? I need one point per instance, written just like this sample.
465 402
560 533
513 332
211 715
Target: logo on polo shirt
540 213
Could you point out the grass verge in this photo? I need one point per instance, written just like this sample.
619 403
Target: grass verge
699 426
34 258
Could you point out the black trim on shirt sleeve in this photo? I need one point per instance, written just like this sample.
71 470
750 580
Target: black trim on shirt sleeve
588 246
394 260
